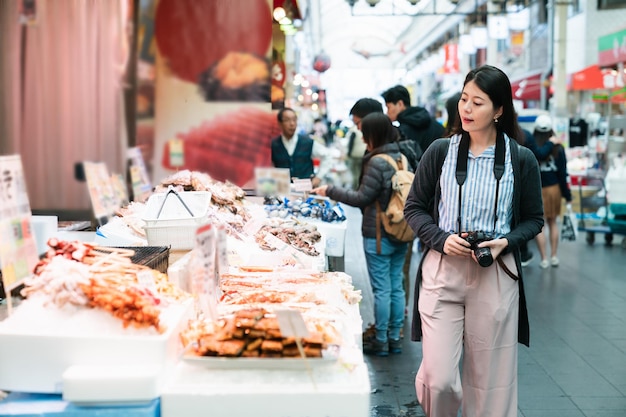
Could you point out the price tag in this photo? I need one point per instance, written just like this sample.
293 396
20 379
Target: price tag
221 250
253 226
204 278
285 247
177 154
292 324
302 185
146 279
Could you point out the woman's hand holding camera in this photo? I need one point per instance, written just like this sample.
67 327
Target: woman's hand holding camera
456 245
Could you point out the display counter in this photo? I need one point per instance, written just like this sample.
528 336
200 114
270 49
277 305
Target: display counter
339 390
199 385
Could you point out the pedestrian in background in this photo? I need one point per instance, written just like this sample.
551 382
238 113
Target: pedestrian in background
554 187
385 266
476 198
415 123
452 110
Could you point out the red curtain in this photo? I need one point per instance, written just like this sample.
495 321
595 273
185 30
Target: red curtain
62 94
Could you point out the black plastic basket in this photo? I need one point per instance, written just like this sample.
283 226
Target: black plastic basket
155 257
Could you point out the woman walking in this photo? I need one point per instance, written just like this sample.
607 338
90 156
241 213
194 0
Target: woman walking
475 199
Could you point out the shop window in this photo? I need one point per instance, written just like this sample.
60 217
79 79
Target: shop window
611 4
574 8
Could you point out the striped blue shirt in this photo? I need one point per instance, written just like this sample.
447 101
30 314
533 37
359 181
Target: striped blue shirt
478 194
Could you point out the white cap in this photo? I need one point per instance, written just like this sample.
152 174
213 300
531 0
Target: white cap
543 123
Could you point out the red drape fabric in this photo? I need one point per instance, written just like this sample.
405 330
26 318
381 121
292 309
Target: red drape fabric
62 86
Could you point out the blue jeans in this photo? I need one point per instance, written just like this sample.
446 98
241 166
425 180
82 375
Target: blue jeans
385 271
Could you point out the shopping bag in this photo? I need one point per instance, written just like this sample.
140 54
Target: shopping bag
568 228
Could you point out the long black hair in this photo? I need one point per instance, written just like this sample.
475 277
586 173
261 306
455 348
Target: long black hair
378 130
495 83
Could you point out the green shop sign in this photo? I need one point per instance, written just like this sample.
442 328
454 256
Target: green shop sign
612 49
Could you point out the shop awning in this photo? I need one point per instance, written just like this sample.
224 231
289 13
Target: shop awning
617 96
590 78
612 48
527 88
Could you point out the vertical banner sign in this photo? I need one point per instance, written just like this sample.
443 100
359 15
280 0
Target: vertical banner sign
139 178
451 64
18 249
101 191
204 277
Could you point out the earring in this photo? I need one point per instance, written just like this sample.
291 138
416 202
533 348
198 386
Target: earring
495 120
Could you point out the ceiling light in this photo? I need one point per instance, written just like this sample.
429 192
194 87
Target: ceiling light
372 3
413 2
279 13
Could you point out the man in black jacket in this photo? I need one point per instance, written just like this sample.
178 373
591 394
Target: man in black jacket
415 122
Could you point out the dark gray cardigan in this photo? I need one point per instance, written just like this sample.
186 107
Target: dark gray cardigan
422 215
375 186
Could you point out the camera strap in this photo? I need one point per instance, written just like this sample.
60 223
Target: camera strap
461 171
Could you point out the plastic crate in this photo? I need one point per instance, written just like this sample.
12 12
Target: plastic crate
171 219
618 209
617 226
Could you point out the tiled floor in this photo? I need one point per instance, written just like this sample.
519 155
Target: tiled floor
576 363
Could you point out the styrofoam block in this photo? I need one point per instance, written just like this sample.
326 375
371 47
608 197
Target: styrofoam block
97 383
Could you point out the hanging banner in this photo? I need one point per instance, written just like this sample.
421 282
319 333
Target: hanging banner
451 63
214 80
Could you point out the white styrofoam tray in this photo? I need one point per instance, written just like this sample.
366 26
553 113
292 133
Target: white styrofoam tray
35 353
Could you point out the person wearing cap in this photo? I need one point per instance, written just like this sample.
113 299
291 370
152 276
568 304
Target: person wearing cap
554 186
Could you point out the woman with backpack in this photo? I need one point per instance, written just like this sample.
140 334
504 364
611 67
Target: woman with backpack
475 199
384 256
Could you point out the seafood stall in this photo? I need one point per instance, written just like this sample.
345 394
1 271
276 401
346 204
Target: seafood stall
246 319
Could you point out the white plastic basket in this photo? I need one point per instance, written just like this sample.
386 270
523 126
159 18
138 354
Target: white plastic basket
171 219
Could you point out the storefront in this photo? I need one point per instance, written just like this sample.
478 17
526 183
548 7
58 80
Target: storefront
528 89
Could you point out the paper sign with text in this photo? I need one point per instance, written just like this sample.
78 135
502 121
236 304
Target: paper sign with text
140 180
302 185
292 324
18 248
272 181
101 192
204 277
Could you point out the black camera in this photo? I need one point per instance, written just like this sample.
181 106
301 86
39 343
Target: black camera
483 255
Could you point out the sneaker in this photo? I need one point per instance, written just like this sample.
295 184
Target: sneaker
554 261
373 346
528 260
395 346
544 264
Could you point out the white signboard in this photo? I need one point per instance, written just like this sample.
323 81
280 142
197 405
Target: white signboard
18 249
272 181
